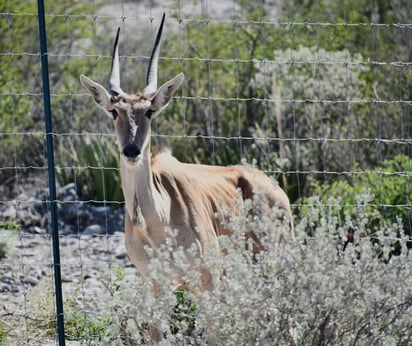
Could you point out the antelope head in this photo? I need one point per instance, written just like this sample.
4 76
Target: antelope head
132 113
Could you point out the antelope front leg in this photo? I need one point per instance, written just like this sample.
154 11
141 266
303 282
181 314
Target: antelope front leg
135 246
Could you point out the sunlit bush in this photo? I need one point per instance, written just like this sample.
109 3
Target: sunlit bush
305 292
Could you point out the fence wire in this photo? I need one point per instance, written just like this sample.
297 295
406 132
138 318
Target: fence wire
320 100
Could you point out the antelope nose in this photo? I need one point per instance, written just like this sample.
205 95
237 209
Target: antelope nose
131 151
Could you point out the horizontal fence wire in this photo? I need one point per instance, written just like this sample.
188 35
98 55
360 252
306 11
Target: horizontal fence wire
320 101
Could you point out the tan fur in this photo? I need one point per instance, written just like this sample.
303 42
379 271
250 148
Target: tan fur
191 195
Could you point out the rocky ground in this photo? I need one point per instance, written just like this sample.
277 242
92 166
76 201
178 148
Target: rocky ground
91 248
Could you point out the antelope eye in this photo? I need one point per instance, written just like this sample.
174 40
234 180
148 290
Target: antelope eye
149 113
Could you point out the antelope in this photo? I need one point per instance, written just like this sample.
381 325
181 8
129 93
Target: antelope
160 192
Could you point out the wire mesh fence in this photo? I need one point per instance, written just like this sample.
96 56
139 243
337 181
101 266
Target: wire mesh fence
316 95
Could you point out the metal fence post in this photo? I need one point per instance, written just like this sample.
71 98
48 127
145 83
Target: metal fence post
50 167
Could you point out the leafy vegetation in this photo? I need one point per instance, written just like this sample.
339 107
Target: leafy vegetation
79 327
77 324
95 171
3 333
389 186
297 98
313 110
307 292
22 125
9 226
183 318
301 99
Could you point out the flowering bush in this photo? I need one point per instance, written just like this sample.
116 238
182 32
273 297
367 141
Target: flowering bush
304 292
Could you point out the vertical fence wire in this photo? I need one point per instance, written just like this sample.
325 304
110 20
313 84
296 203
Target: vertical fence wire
51 173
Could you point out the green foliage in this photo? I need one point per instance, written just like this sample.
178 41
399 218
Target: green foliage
358 14
219 104
335 26
325 54
119 277
183 318
321 75
3 333
342 81
22 124
9 226
41 308
389 186
314 82
95 168
78 326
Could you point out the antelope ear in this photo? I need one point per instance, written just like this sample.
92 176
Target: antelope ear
165 93
99 93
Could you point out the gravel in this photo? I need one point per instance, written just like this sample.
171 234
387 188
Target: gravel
91 249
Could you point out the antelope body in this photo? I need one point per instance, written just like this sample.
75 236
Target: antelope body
160 192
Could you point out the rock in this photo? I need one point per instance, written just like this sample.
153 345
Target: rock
36 230
32 281
9 212
7 278
102 210
68 193
4 288
93 229
120 251
32 211
121 255
69 212
67 229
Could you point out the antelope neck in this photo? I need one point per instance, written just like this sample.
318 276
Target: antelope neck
144 203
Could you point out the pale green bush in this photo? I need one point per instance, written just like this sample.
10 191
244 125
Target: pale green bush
307 292
315 99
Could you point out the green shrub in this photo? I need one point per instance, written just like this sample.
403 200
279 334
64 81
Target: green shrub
95 168
183 318
390 188
9 226
22 124
77 325
3 333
